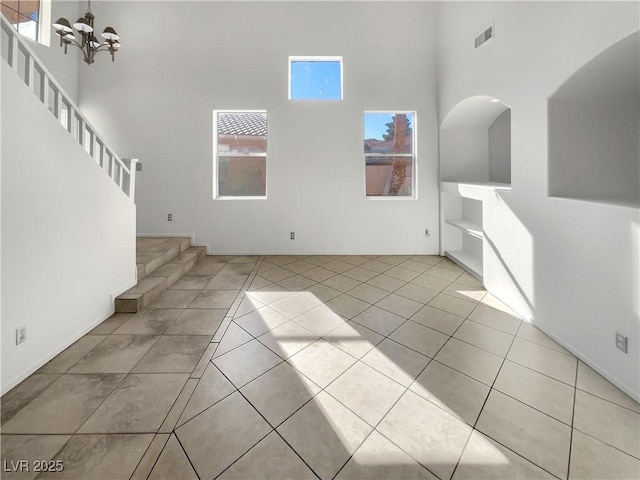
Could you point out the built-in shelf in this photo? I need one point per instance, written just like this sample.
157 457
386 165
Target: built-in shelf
461 207
475 166
472 228
474 190
467 261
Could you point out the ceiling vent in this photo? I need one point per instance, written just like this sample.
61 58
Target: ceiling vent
485 36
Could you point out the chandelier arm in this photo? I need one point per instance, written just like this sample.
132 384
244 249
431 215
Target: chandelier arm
101 48
74 42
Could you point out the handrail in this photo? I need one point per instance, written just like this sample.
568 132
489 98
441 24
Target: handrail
21 58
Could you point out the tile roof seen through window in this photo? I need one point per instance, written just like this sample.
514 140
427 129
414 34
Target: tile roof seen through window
242 123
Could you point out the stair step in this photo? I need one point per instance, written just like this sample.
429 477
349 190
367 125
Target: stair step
160 262
150 262
172 272
141 295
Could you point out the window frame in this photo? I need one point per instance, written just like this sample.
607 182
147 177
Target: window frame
43 24
316 58
217 154
413 155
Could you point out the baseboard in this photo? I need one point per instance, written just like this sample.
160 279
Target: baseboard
576 352
320 253
167 235
56 351
585 359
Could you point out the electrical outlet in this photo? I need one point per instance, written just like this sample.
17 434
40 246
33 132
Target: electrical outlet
170 217
21 334
293 235
621 342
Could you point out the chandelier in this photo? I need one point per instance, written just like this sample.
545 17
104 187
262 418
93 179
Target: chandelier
88 44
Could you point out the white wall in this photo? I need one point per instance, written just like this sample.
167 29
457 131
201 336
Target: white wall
574 262
500 148
161 93
68 235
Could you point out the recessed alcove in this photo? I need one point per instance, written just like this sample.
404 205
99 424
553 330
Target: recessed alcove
594 127
475 160
475 142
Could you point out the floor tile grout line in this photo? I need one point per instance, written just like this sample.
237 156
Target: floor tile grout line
249 278
569 354
214 357
74 363
184 450
489 326
176 401
606 400
541 373
607 444
157 458
144 355
482 409
181 424
478 346
375 427
273 429
517 454
103 400
385 337
491 387
357 360
573 416
473 427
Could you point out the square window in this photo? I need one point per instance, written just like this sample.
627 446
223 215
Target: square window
24 15
241 154
389 156
315 78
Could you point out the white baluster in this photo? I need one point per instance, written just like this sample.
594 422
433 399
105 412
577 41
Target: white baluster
44 89
30 73
13 49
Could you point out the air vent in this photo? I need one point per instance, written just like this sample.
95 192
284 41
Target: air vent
485 36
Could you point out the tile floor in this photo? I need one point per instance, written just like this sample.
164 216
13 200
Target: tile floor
356 367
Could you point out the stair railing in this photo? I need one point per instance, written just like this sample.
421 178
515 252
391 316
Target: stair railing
21 58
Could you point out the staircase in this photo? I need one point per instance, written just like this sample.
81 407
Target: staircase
161 262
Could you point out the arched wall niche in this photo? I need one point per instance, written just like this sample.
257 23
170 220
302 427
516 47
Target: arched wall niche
475 141
594 127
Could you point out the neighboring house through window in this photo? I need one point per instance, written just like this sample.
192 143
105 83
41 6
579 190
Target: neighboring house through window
30 18
241 154
389 156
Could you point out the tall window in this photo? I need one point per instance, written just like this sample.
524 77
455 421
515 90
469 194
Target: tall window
26 16
241 153
389 154
315 78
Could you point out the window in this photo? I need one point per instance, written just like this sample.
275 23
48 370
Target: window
29 17
315 78
241 153
389 154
